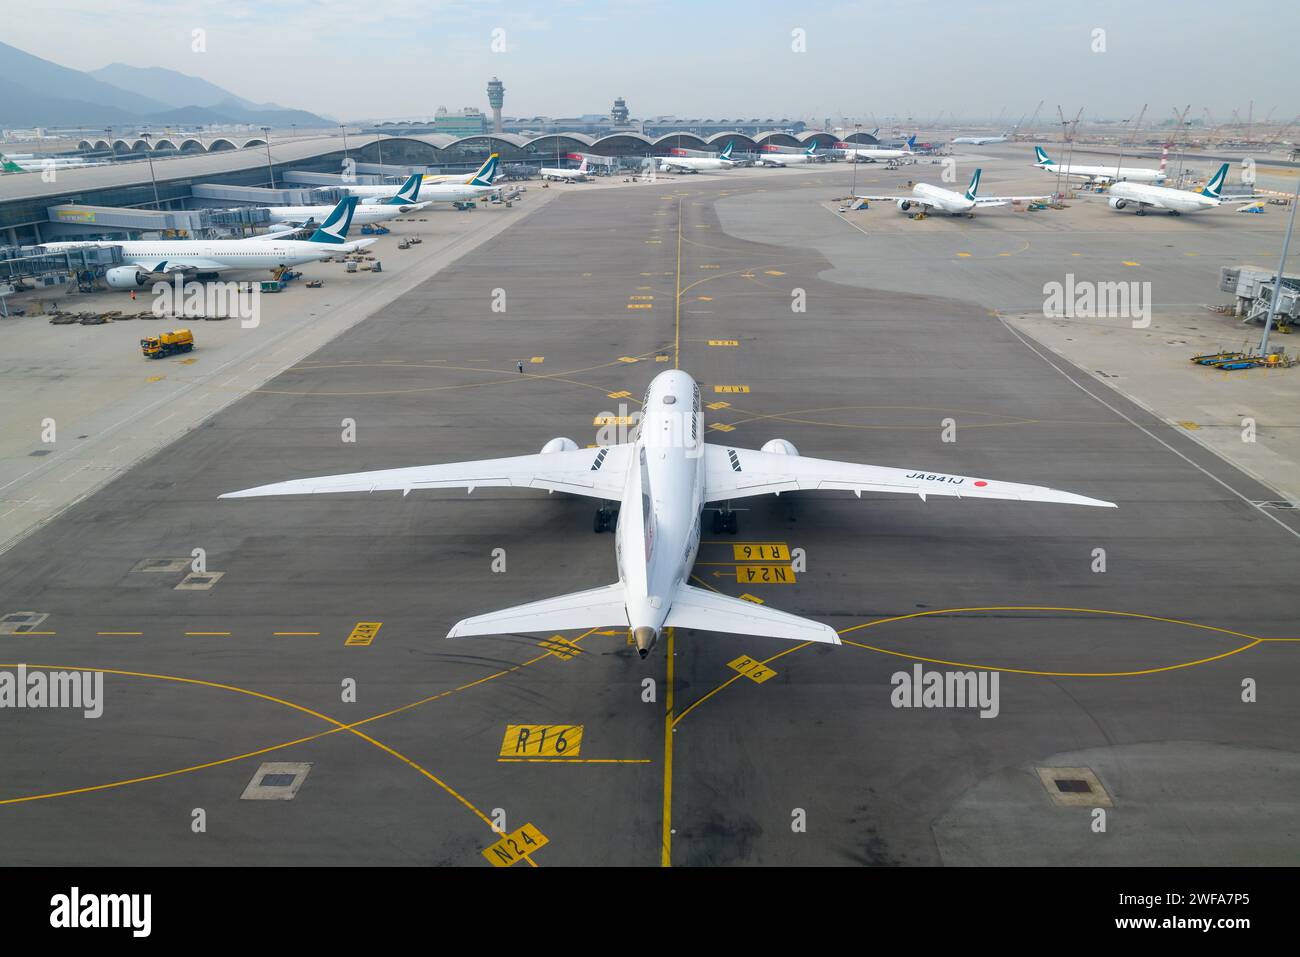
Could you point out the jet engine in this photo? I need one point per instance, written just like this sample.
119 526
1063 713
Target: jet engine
780 447
1117 203
904 204
560 444
126 277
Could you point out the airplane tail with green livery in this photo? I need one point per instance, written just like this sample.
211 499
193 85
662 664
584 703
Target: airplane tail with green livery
974 185
334 230
486 173
9 166
1214 188
409 193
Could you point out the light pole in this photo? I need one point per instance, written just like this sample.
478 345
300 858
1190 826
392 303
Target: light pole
148 152
853 157
344 128
379 142
1281 268
266 140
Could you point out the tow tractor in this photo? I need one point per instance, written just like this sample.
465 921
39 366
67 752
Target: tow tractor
168 343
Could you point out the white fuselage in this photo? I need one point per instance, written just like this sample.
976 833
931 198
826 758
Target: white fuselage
364 213
1161 197
1109 174
429 193
783 159
874 155
978 140
694 163
216 255
560 174
658 533
940 198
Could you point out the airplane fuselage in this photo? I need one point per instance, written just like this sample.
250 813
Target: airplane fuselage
217 254
364 213
1109 174
1160 197
658 532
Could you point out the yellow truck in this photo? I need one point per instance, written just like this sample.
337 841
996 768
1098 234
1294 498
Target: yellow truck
169 343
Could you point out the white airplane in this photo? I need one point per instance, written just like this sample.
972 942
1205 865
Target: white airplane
431 178
1178 201
979 140
787 159
693 164
936 197
30 164
1099 174
873 154
478 185
403 202
143 261
663 479
565 175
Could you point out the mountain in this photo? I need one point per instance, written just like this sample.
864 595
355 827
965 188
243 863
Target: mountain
41 93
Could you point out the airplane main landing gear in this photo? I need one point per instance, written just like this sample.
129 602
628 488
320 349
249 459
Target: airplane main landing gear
725 522
605 518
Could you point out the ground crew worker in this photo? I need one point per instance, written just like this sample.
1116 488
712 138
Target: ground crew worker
521 365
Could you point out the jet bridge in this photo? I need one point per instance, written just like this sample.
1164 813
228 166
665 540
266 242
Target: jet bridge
1253 289
219 193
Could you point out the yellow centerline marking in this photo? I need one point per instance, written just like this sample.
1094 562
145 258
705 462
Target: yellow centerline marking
677 338
666 857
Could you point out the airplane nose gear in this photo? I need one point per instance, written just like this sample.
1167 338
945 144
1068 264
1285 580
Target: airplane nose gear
725 522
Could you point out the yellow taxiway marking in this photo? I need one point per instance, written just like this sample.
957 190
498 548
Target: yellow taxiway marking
364 633
765 575
773 272
613 420
704 298
640 298
561 648
537 360
1129 262
677 298
715 406
755 671
640 305
542 741
963 255
628 359
721 427
760 551
516 846
724 342
731 388
754 598
666 853
573 760
622 394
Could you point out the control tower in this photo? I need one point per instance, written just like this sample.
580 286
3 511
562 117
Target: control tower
619 114
496 92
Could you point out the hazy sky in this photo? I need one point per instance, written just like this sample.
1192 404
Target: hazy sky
401 58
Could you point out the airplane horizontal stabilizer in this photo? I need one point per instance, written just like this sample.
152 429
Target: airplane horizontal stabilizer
593 608
711 611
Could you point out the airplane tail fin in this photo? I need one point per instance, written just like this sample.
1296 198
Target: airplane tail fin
593 608
726 152
9 166
911 141
974 184
711 611
486 173
812 148
335 228
410 191
1215 186
1041 156
582 167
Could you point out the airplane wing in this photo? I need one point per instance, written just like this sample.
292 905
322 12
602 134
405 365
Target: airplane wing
709 611
596 473
731 473
593 608
896 199
1004 200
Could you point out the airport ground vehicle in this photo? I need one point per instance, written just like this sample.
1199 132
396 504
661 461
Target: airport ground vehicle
167 344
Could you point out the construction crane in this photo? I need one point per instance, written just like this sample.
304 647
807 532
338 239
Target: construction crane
1034 118
1068 128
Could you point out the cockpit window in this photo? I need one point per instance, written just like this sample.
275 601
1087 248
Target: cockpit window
670 399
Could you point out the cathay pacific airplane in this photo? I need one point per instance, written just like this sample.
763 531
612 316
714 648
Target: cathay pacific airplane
693 164
480 184
936 197
663 480
145 261
1098 174
787 159
1144 196
874 154
403 202
432 178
